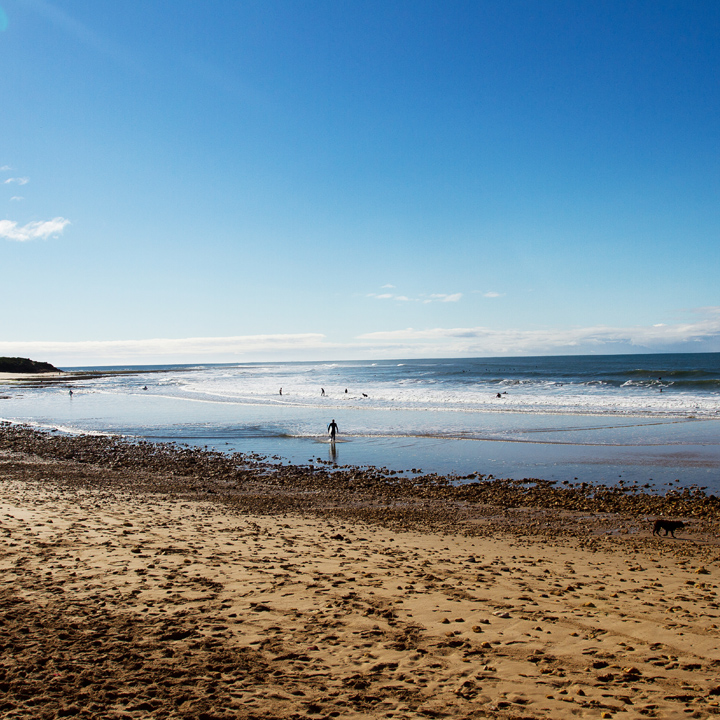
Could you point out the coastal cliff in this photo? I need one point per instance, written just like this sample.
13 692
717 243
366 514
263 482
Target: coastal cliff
25 365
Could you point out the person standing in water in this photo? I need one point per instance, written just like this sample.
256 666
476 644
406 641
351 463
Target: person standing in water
333 430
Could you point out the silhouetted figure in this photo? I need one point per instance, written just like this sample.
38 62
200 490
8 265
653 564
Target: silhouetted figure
281 391
322 392
346 391
364 395
333 430
71 393
499 395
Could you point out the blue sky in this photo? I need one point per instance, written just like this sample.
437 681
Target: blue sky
230 180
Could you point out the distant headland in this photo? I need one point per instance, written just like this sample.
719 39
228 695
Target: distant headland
25 365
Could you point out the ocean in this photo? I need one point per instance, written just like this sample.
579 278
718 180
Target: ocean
646 419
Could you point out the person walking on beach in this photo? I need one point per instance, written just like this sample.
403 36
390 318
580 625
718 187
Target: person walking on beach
333 430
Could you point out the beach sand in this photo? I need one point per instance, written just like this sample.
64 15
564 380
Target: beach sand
6 376
142 593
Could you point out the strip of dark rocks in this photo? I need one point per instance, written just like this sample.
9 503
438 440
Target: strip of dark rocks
251 483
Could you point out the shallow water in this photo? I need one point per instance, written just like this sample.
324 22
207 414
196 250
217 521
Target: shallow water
417 418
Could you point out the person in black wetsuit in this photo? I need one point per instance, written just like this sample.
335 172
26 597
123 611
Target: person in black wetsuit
333 429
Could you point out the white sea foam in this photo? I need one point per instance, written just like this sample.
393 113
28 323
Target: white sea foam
302 386
58 427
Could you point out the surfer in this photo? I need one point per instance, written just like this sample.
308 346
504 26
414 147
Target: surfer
322 392
281 391
332 429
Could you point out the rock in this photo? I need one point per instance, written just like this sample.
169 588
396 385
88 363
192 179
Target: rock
25 365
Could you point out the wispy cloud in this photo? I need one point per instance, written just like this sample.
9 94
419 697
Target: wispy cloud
5 168
434 297
208 349
40 230
442 297
492 294
700 334
17 198
388 286
18 180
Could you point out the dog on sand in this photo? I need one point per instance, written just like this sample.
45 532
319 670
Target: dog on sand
669 526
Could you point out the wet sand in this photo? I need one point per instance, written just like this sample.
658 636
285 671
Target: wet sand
6 376
161 582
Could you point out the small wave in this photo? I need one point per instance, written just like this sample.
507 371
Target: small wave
66 429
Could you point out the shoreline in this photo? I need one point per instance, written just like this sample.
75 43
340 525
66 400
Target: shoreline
230 476
144 581
8 376
560 448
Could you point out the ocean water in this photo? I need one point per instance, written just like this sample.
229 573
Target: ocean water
637 418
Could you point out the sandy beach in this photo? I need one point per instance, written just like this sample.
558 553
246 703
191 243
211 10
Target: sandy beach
144 582
6 376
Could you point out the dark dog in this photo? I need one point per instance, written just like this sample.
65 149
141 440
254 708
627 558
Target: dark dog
669 526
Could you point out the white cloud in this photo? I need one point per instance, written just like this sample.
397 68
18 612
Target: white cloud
5 168
33 230
17 198
435 297
18 180
701 334
492 294
140 352
442 297
388 286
